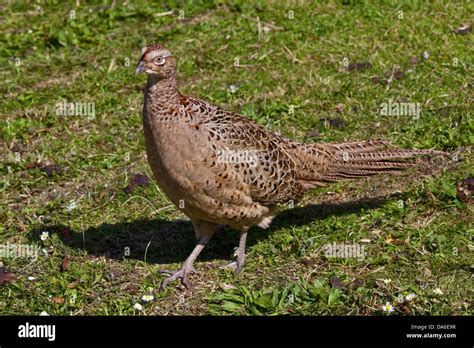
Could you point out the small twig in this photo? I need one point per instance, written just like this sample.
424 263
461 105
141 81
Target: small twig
162 14
273 26
146 200
259 28
111 66
265 55
292 55
377 270
244 65
28 265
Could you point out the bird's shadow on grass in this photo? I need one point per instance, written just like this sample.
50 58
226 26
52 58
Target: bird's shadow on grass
164 242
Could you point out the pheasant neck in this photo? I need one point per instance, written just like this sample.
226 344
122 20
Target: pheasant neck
162 90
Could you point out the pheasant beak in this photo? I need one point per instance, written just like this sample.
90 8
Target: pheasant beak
140 67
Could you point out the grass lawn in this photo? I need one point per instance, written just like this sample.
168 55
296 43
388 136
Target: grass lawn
315 72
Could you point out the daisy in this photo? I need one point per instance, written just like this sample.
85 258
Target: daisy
438 291
410 297
147 298
44 313
388 308
138 306
44 236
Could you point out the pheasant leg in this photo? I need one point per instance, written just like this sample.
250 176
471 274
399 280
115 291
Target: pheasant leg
187 266
239 263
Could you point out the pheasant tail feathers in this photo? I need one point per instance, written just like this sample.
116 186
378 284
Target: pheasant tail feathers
359 159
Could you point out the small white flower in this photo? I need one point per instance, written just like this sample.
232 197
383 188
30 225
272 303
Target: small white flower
388 308
31 278
426 55
266 29
138 306
438 291
147 298
400 298
44 235
30 31
43 313
410 297
71 206
387 281
233 88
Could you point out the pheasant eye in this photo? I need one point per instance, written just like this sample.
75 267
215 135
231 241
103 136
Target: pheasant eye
159 61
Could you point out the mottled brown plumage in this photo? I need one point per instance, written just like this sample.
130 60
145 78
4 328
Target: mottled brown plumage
221 168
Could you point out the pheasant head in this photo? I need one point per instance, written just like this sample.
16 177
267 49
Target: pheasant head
156 60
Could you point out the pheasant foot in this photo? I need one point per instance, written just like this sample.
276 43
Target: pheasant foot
187 266
173 271
181 274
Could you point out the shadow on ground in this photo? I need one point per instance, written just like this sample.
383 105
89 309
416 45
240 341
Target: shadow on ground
165 242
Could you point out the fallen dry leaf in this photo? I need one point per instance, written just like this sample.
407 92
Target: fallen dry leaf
137 180
465 190
58 300
333 122
396 74
336 283
64 264
358 66
5 276
356 284
52 169
307 262
377 80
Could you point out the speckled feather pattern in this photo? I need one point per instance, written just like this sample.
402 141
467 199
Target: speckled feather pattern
192 147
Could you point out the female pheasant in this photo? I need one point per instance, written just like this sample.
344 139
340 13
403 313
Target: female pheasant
221 168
